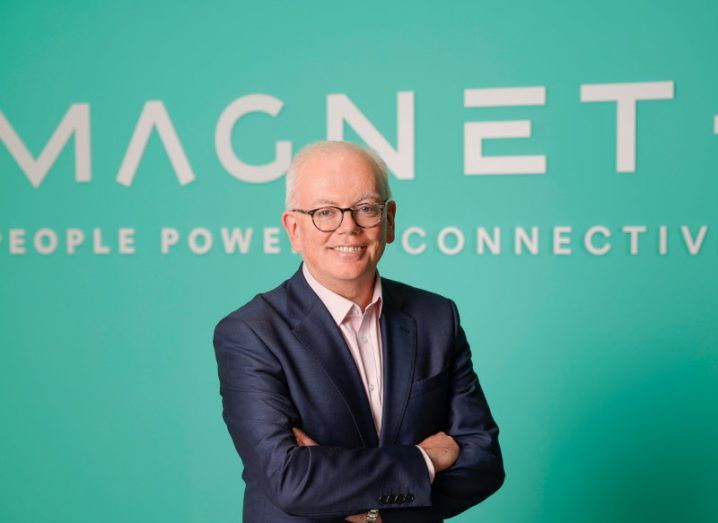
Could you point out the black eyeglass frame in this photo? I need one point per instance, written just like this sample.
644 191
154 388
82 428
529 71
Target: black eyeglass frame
343 210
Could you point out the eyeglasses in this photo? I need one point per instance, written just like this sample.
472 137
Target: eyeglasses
330 218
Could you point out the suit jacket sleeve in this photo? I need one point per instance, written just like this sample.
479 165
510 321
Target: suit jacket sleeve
316 481
479 470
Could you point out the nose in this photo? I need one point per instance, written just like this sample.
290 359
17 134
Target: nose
348 224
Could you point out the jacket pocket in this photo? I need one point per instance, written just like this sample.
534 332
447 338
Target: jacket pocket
437 381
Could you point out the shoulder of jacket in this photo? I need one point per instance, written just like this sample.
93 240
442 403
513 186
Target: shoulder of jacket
414 295
261 308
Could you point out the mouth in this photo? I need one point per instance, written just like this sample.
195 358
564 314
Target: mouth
349 248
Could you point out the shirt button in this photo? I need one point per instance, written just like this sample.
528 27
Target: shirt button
363 339
371 386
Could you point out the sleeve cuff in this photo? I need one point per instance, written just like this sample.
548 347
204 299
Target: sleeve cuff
429 464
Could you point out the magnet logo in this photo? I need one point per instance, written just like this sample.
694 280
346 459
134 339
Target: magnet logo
340 110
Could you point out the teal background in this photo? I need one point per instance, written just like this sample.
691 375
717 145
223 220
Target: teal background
601 370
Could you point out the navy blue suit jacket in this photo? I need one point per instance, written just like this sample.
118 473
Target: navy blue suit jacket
283 362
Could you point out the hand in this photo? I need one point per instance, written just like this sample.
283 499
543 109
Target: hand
303 440
361 518
442 449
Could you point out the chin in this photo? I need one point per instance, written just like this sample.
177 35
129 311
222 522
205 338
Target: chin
349 273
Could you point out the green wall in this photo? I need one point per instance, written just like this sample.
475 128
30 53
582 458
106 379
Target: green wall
601 370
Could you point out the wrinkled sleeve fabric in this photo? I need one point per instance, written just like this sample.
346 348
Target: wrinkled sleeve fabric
316 481
479 470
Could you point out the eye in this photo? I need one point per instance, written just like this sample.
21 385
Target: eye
368 209
324 212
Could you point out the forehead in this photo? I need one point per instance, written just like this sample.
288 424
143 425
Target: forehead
340 177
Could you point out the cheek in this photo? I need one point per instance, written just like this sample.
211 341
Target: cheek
312 244
377 246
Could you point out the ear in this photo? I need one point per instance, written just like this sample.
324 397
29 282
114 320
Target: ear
290 224
390 221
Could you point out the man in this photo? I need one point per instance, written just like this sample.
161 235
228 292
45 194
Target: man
351 397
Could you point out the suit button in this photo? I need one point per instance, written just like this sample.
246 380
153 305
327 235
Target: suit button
392 499
383 499
410 497
401 498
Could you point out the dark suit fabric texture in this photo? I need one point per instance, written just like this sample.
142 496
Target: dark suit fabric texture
283 363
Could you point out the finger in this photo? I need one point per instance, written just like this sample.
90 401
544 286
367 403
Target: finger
309 441
298 436
303 439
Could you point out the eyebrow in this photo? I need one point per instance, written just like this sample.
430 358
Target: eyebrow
364 196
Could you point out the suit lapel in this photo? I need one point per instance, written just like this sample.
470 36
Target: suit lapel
399 350
321 336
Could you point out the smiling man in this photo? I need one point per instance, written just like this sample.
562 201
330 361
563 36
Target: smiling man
352 397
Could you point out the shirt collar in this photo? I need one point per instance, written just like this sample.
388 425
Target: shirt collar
339 307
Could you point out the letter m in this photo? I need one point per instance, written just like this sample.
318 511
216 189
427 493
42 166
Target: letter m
77 121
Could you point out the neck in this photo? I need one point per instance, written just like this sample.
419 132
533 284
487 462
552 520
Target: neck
359 292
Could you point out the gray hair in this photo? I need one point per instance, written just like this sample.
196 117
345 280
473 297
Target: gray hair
328 146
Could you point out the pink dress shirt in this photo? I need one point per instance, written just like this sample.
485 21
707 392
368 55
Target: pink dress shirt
362 332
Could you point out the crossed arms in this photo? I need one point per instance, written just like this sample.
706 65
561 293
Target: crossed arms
325 481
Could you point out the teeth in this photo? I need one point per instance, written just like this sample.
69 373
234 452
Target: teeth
347 249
